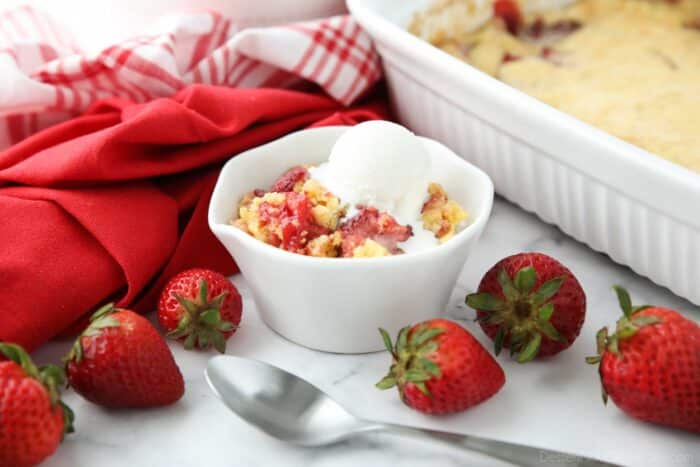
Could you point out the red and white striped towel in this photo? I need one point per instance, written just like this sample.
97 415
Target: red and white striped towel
45 78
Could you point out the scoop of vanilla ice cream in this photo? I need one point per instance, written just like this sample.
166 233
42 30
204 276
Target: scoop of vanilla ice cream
378 164
384 165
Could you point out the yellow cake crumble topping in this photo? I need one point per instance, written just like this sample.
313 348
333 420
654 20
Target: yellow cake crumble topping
303 217
441 215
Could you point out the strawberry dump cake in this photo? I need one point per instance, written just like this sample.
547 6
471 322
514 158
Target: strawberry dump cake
629 67
372 198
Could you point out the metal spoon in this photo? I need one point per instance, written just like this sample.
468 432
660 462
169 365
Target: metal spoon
293 410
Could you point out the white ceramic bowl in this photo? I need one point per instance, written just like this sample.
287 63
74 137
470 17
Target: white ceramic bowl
337 304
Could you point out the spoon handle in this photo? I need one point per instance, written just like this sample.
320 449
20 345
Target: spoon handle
517 454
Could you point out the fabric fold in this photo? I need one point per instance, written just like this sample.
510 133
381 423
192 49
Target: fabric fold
111 204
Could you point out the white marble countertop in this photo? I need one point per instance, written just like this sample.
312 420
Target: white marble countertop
199 431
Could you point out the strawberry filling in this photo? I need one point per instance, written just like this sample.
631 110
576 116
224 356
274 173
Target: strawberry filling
693 24
509 12
509 57
374 225
289 179
540 31
292 220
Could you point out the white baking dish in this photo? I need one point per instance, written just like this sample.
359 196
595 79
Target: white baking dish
639 209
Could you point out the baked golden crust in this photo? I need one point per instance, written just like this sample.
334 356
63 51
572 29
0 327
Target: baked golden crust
441 215
629 67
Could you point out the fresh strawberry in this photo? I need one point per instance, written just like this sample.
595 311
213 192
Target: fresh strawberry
33 419
509 12
201 307
121 360
439 368
531 304
650 366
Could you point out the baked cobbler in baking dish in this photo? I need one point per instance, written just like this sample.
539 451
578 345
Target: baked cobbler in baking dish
629 67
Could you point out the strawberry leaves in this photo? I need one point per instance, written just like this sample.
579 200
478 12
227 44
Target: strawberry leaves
386 382
627 326
68 418
544 315
387 341
507 287
422 336
623 298
484 301
201 324
601 339
99 321
547 290
498 340
523 313
525 279
529 351
103 311
411 358
18 355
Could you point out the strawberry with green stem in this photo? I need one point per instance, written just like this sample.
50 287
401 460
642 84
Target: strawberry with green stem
122 361
33 419
531 304
200 307
439 368
650 365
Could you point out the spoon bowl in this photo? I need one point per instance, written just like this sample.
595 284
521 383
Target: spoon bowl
280 403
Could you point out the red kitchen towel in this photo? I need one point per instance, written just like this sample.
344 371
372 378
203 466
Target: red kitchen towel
111 204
